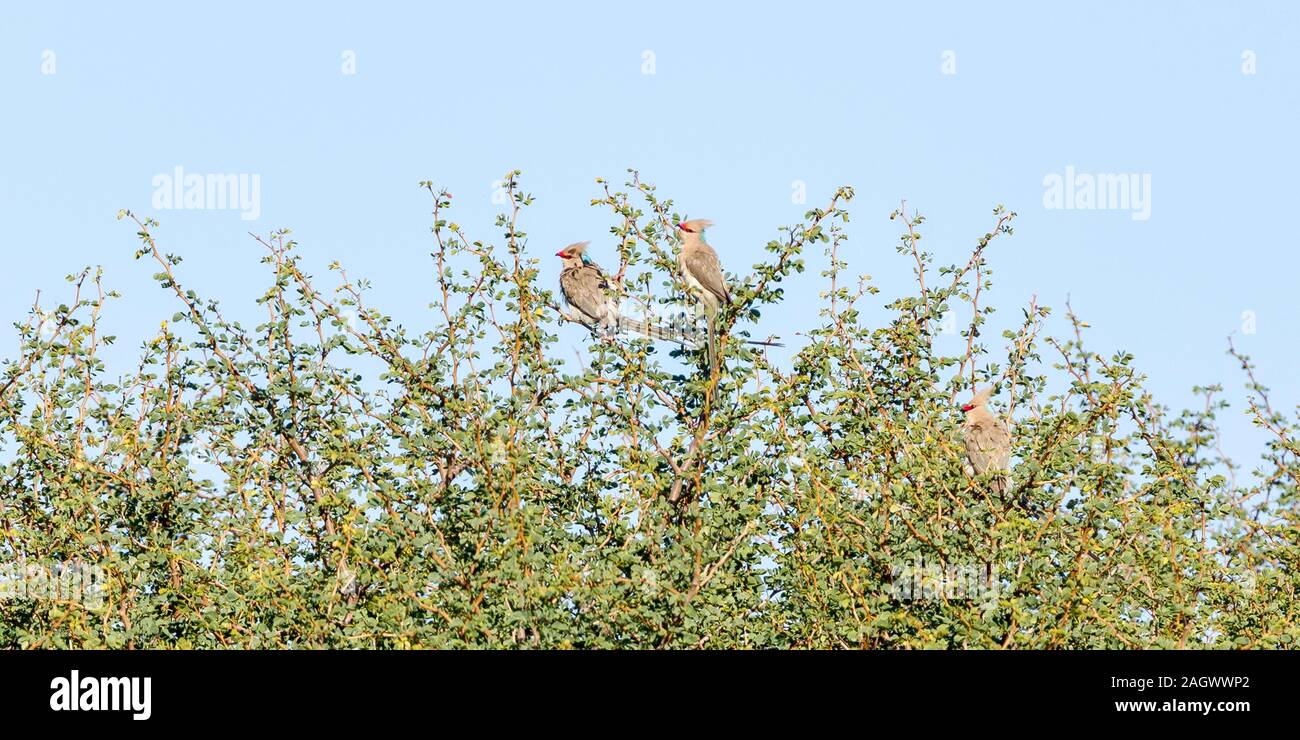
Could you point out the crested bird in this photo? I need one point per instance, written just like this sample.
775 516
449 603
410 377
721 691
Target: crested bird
987 439
589 290
703 275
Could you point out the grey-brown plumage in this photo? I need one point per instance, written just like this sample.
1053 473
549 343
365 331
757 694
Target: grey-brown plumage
987 439
587 289
702 273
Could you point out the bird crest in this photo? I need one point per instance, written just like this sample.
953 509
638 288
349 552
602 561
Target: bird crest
575 250
979 399
695 225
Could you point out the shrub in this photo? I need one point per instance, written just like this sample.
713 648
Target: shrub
328 478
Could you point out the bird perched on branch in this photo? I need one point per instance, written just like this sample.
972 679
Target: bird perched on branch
591 293
987 439
703 275
587 289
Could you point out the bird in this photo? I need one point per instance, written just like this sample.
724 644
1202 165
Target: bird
987 439
586 288
702 273
590 292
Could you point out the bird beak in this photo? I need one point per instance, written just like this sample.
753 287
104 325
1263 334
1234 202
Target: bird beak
560 253
967 406
683 227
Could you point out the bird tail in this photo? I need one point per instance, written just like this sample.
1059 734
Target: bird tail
1019 496
713 342
999 484
654 331
681 333
712 354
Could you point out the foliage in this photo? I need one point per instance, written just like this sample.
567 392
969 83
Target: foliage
329 478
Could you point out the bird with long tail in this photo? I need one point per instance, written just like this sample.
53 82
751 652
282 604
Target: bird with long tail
590 292
702 273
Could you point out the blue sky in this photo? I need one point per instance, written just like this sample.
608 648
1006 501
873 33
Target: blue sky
742 103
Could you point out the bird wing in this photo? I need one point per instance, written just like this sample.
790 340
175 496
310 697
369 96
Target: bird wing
585 288
988 446
702 263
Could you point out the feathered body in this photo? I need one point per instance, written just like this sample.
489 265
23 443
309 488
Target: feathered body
702 273
987 439
589 291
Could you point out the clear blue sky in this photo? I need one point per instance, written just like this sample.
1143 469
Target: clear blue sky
742 103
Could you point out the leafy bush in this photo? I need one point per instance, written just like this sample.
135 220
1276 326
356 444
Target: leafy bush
330 479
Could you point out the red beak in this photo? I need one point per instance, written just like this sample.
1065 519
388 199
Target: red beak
683 227
561 253
967 406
